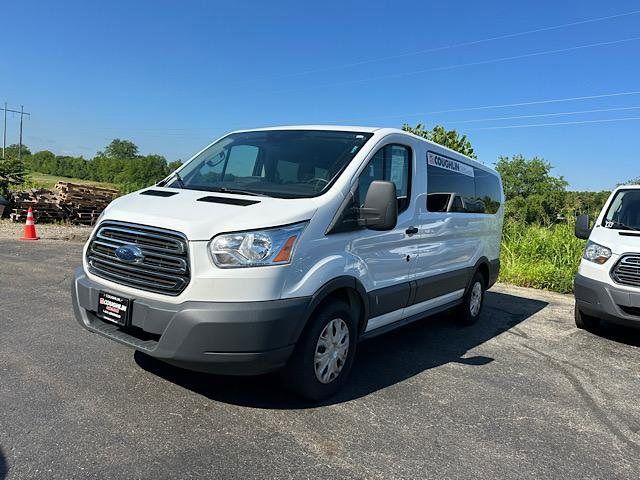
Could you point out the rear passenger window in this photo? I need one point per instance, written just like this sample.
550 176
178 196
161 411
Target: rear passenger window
390 163
488 190
456 187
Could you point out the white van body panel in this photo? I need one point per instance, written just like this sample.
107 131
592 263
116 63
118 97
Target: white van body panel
252 316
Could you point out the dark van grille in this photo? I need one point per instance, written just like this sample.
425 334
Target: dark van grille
627 271
164 269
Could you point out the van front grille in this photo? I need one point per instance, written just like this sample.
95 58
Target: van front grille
627 271
164 268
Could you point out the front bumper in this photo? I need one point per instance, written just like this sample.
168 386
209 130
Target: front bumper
607 302
235 338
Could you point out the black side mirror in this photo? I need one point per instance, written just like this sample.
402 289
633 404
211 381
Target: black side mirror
380 210
583 231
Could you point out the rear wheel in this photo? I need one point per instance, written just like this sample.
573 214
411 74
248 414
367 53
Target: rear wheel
586 322
323 356
469 312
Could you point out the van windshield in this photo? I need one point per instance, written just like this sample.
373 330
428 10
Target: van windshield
275 163
624 211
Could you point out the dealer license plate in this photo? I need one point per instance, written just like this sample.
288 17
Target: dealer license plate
114 308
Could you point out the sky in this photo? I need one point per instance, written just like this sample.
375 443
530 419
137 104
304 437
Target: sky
172 76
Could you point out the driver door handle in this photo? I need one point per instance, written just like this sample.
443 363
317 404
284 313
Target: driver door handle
411 230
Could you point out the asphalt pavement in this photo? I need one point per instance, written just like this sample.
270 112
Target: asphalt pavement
523 394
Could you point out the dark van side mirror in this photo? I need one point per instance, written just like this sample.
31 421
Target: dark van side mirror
583 231
380 210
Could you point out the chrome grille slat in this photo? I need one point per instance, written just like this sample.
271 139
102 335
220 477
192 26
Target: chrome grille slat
627 271
179 265
152 244
165 268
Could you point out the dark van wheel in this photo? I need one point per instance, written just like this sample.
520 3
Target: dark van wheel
324 354
469 312
586 322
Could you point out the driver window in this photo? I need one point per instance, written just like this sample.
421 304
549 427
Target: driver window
390 163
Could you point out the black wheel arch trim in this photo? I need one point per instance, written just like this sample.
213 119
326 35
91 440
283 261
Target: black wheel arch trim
339 283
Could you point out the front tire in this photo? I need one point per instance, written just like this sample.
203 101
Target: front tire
324 354
586 322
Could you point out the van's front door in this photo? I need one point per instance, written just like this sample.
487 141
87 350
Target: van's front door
386 256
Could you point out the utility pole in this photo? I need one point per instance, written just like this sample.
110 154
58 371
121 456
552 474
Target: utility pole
20 143
4 135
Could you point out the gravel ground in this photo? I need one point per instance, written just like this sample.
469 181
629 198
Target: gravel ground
522 394
46 231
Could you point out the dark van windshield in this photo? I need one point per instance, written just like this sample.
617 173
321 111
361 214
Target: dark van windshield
624 211
276 163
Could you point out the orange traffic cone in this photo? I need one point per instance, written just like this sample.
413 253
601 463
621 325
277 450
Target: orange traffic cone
30 228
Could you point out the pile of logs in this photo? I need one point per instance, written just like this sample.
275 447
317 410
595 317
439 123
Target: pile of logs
69 202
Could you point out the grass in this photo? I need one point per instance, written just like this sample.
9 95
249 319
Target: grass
540 257
43 180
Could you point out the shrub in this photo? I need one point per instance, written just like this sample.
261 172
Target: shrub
540 257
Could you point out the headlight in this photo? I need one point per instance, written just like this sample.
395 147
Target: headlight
596 253
256 248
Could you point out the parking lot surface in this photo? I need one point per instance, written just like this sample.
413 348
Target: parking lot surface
522 394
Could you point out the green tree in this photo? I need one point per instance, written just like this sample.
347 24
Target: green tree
11 173
120 149
447 138
11 151
533 194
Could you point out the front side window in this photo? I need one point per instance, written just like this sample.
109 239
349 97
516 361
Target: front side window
624 211
277 163
390 163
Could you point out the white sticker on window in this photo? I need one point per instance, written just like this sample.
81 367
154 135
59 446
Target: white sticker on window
448 164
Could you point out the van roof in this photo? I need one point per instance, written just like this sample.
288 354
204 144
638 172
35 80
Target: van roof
377 130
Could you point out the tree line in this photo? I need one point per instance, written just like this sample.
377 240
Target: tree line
119 163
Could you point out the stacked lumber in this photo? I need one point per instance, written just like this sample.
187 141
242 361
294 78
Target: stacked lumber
44 203
70 202
85 203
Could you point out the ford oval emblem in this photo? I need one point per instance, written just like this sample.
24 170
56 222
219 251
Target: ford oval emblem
129 254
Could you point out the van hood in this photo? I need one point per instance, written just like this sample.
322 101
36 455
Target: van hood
201 215
619 241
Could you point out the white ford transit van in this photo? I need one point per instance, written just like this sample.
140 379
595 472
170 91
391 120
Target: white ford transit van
284 247
607 286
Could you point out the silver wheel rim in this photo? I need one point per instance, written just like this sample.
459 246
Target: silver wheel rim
332 350
476 299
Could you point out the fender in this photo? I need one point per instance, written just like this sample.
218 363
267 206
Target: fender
344 281
481 261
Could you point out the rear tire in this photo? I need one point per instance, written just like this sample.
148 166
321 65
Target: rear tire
586 322
324 354
469 312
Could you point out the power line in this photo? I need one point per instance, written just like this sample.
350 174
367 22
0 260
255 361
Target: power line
509 105
4 133
623 119
542 115
469 64
458 45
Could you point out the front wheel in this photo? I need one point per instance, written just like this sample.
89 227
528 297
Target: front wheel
323 356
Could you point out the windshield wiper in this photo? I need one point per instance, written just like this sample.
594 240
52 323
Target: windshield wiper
178 178
236 191
622 226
